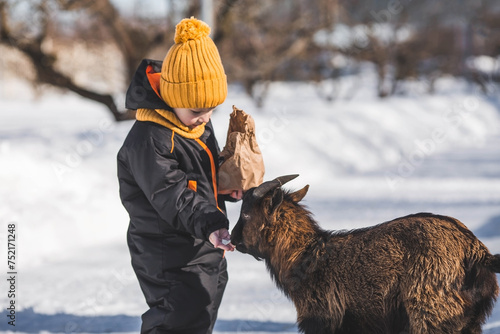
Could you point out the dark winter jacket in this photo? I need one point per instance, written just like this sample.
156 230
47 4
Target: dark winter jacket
168 186
168 179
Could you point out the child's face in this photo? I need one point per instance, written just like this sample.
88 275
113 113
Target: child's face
192 117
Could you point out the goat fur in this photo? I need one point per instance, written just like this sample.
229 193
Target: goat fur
422 273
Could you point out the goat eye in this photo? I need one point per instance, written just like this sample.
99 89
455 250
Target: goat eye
245 216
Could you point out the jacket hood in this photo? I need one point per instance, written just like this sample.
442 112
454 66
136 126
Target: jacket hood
141 93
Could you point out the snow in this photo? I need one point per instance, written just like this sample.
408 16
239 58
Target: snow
344 37
367 161
484 64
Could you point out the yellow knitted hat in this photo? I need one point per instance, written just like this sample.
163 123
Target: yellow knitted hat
192 75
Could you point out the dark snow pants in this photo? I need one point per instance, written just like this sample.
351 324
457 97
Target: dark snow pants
183 296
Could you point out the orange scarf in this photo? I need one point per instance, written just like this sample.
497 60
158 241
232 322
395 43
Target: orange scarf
169 120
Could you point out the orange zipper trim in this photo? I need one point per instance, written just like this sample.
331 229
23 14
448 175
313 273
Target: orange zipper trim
173 133
212 165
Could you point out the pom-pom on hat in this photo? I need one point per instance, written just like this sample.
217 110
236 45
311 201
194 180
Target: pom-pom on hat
192 75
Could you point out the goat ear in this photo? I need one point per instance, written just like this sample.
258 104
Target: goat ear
299 194
276 199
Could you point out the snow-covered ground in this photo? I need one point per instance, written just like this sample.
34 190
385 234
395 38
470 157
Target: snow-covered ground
366 160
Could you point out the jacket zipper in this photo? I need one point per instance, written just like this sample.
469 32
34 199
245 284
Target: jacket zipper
214 171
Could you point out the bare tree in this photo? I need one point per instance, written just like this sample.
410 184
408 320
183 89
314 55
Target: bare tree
263 38
133 39
439 37
261 41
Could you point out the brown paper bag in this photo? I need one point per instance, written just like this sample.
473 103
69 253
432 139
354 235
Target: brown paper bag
243 166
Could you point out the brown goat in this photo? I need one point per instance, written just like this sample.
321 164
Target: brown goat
421 273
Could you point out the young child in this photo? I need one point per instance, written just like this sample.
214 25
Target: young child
167 171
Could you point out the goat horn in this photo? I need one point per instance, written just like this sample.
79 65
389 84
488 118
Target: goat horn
266 187
284 179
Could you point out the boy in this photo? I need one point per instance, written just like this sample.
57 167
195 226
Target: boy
167 171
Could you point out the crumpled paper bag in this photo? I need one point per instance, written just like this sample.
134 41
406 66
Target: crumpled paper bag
243 166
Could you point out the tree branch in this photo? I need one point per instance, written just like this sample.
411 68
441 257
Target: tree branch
44 64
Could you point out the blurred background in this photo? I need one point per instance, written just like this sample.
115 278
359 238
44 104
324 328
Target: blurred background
385 108
316 41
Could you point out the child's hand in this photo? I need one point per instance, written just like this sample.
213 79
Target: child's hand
221 239
236 194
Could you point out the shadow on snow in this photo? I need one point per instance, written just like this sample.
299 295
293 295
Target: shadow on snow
30 322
